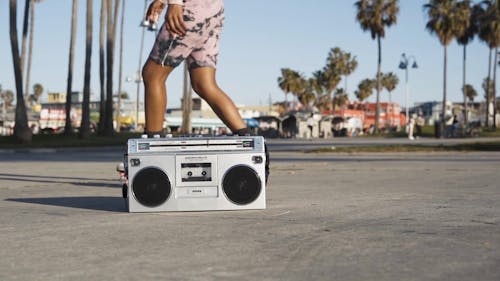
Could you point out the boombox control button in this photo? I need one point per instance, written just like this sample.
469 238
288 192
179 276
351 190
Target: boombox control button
204 173
135 162
257 159
190 173
144 136
157 136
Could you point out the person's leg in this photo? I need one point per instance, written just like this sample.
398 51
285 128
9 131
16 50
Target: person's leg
204 84
155 95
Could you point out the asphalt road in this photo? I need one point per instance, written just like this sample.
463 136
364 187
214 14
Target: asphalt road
401 216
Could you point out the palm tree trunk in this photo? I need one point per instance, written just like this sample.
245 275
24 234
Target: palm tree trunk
110 45
30 48
494 95
102 68
67 125
120 71
443 112
21 130
85 124
487 108
27 4
377 104
466 121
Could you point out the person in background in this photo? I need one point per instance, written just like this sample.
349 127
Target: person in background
411 124
419 123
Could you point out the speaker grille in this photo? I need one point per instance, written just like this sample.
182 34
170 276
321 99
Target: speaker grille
151 187
242 185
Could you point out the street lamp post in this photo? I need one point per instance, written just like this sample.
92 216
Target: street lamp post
151 26
405 64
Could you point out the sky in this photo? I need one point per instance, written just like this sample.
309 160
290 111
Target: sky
259 38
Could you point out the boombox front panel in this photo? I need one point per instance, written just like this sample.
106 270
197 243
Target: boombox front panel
196 181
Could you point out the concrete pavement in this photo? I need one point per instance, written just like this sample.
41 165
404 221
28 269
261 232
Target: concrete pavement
401 216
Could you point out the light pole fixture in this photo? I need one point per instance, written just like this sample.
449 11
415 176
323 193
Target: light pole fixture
145 23
404 64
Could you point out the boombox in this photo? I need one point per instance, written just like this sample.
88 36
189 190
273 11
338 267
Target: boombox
195 174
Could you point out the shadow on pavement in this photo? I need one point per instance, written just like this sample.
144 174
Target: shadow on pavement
110 204
60 180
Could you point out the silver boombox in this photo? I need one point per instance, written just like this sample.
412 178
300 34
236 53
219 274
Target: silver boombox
196 174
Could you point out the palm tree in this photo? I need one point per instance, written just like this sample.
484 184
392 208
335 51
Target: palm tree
341 62
111 20
37 92
330 78
443 23
307 92
102 68
289 82
374 16
84 131
27 6
340 98
21 130
322 99
489 32
365 89
120 70
389 82
465 34
67 124
470 93
30 44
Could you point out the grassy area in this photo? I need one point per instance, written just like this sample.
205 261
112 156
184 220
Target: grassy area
477 146
59 140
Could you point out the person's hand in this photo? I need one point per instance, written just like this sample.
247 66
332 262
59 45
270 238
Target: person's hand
175 20
154 11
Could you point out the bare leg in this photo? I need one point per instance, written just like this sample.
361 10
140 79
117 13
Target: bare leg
204 84
155 101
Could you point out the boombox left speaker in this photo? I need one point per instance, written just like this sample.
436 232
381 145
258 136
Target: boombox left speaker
196 174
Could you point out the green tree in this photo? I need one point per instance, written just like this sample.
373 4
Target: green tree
38 90
469 92
290 83
340 98
341 63
7 97
322 98
389 82
365 89
37 93
21 130
375 16
443 23
84 130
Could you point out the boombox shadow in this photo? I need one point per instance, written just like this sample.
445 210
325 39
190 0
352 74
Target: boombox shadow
108 204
